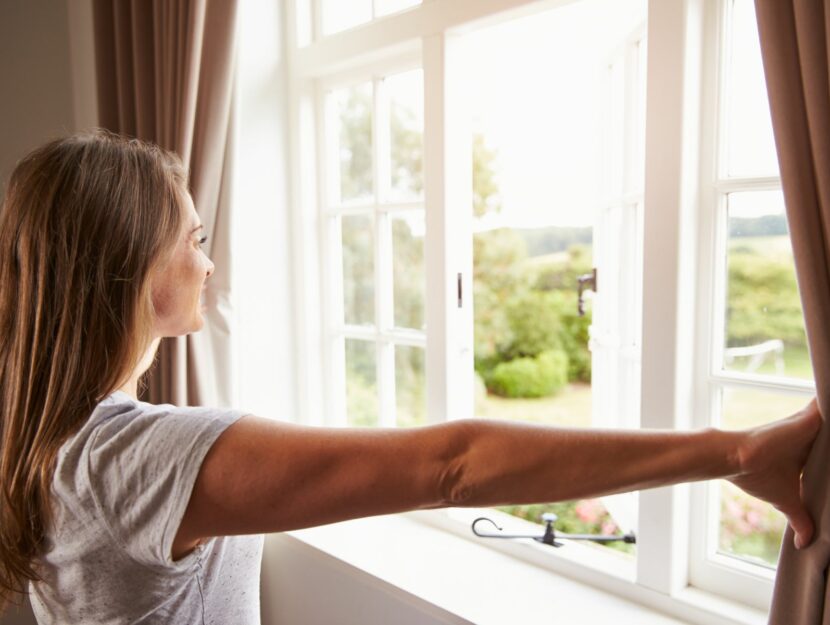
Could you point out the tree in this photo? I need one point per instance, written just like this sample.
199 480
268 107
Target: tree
486 198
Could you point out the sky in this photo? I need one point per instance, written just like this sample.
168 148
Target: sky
537 91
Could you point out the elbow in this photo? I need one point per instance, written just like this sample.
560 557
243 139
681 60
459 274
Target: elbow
455 486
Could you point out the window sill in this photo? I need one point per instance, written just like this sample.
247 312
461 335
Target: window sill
481 584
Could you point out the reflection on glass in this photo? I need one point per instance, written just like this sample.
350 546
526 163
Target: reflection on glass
361 383
750 147
339 15
406 117
750 528
358 269
353 110
764 324
410 386
384 7
408 268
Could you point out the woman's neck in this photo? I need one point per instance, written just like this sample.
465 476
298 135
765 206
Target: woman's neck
131 386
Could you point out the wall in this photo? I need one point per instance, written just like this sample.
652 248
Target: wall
37 104
35 72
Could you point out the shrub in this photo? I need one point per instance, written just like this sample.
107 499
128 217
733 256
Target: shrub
533 317
541 376
574 335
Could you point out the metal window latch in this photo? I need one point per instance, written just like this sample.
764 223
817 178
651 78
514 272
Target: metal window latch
586 281
550 535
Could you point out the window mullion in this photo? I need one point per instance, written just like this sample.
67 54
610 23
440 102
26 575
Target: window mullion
668 275
331 278
385 359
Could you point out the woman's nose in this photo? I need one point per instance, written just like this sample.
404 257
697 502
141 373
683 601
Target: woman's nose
210 268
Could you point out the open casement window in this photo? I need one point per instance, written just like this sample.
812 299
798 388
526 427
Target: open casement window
755 366
381 161
616 322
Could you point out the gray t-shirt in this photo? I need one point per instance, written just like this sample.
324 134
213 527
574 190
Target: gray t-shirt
119 492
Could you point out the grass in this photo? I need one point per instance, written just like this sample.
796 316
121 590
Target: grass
571 407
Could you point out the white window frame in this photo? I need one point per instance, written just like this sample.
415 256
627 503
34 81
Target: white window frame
671 281
709 570
383 335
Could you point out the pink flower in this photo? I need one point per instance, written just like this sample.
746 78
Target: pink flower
589 510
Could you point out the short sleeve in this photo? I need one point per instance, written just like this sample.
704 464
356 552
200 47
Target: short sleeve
142 468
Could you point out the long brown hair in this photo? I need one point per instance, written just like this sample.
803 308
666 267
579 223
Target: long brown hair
85 222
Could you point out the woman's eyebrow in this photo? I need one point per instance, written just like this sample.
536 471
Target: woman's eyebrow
197 228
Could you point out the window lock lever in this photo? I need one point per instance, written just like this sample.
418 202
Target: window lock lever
586 281
550 536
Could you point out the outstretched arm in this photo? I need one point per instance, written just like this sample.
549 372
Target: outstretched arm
266 476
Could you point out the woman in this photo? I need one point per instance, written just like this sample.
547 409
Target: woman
119 511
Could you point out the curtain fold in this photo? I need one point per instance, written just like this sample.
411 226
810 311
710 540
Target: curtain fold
794 46
165 71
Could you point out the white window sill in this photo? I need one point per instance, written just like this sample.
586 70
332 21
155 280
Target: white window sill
482 584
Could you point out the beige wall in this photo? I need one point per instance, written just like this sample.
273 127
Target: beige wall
35 74
36 102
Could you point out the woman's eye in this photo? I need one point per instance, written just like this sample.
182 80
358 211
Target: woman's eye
202 241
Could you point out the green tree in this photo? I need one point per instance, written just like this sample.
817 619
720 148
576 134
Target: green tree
762 300
486 197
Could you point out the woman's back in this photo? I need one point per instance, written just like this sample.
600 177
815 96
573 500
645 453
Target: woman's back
120 489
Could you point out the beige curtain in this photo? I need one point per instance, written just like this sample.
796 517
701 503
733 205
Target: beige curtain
165 74
795 50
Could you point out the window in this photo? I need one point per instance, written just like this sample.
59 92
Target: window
402 166
756 367
373 219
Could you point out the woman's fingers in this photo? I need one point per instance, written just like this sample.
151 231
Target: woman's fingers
773 458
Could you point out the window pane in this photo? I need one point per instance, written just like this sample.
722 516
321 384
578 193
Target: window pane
342 14
749 528
410 386
406 117
353 112
750 147
408 267
358 269
384 7
764 324
361 383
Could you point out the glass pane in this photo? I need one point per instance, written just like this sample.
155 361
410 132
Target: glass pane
750 146
764 324
353 112
408 267
410 386
358 269
406 117
384 7
749 528
361 383
339 14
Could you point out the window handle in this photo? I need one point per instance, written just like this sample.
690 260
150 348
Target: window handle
586 281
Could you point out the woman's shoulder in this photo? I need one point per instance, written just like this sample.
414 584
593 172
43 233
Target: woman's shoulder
121 423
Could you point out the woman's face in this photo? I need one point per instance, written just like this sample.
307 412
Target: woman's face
177 290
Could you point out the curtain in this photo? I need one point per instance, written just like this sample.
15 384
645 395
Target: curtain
165 74
795 51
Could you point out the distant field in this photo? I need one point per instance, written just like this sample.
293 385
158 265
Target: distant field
777 246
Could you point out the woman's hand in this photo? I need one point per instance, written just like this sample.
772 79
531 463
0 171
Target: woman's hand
772 458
